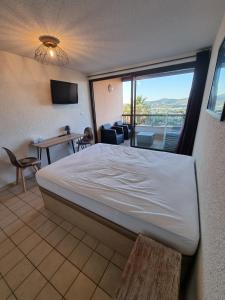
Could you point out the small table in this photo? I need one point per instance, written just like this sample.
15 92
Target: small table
46 144
145 139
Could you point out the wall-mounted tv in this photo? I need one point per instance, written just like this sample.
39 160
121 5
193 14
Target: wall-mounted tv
64 92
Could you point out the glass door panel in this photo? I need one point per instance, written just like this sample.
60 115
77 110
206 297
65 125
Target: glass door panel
160 103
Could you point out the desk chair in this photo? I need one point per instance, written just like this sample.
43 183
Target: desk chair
87 139
22 164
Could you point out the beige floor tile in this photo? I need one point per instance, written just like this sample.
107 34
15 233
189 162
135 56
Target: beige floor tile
36 190
82 289
64 277
3 237
51 263
19 203
80 255
48 293
78 233
12 228
111 279
4 212
5 221
46 228
104 251
67 245
17 189
37 222
44 211
100 295
21 234
66 225
31 286
5 247
19 273
10 260
56 219
90 241
37 202
119 260
6 194
27 197
95 267
29 243
56 236
39 253
11 297
13 201
4 290
30 215
23 210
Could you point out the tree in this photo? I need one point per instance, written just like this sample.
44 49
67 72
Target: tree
141 106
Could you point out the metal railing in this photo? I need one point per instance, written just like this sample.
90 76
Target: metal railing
155 120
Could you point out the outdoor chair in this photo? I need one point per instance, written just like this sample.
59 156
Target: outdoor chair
112 134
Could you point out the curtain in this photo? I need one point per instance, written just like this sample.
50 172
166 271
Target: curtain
187 137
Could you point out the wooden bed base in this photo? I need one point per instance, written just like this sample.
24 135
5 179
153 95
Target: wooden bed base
111 234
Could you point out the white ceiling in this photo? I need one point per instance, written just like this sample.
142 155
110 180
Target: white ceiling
102 34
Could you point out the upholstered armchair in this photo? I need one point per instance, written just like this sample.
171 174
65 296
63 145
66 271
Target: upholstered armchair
112 134
127 129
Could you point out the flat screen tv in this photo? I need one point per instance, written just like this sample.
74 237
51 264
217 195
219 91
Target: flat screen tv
64 92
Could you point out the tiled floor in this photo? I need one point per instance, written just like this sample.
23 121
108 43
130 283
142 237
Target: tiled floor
42 256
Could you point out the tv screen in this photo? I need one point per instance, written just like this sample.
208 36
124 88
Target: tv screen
64 92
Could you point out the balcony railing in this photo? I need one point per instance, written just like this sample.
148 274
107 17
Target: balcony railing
155 120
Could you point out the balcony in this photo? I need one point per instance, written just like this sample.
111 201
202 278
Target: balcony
165 128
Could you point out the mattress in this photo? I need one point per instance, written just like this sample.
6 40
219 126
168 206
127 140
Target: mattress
149 192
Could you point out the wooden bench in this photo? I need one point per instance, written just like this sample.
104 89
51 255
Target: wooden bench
152 272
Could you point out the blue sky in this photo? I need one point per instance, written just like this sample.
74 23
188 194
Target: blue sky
173 86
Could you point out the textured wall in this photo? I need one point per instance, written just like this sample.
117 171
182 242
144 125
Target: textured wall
209 151
108 106
26 110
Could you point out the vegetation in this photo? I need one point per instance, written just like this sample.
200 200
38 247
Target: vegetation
159 109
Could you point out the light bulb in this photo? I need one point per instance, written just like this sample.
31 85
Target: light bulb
51 52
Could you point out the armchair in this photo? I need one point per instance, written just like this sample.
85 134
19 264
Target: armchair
127 128
112 134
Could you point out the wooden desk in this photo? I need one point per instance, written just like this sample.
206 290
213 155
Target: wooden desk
46 144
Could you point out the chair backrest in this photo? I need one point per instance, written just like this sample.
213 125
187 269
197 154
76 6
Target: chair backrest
12 157
106 126
119 123
88 133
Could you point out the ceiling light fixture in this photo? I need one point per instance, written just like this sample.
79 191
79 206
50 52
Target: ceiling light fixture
49 52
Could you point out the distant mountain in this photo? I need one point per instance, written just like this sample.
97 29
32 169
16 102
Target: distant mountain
168 102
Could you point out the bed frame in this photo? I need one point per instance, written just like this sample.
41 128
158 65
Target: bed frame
111 234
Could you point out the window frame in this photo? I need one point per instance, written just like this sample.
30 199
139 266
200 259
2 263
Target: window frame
215 81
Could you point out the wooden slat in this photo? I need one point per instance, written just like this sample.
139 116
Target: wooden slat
152 272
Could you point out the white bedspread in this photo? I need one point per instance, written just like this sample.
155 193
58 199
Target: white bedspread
146 191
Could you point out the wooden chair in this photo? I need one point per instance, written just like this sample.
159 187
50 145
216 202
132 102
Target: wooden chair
87 139
22 164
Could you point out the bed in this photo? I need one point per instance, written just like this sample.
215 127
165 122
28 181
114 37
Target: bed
142 191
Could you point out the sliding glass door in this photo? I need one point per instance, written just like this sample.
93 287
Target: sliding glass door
157 108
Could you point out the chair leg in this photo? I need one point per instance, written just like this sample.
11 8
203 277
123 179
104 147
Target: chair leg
17 175
23 180
35 168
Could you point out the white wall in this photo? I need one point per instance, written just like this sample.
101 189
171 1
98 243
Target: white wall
26 110
108 106
209 152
